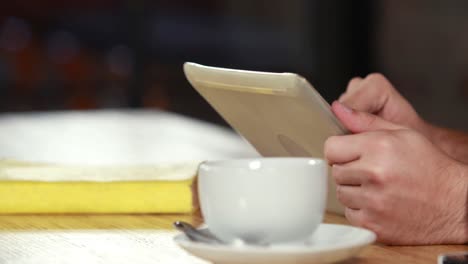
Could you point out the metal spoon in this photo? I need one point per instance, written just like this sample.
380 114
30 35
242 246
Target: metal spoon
196 235
205 236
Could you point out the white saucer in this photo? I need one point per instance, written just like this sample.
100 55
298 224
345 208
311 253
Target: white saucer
330 243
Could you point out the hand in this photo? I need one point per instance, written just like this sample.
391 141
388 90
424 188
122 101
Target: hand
392 180
376 95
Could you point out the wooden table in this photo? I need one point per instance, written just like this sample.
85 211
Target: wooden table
141 239
44 239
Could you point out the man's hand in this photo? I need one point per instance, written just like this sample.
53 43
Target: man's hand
376 95
393 181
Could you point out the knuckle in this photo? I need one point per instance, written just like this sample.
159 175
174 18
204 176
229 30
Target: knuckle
375 77
337 176
339 193
384 141
377 174
351 99
354 81
376 81
329 145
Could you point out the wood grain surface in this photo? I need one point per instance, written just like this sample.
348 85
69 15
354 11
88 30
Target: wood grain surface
26 239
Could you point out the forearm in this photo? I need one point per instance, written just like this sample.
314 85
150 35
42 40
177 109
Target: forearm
453 143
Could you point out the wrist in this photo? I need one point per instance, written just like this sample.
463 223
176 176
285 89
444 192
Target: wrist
458 206
451 142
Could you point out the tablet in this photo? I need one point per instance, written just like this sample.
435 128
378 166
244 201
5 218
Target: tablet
280 114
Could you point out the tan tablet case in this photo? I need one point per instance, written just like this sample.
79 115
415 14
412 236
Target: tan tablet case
280 114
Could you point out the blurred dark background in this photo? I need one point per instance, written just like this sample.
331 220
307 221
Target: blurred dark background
61 55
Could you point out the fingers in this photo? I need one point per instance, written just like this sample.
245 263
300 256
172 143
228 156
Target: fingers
350 196
343 149
349 188
354 84
348 174
358 122
369 94
355 217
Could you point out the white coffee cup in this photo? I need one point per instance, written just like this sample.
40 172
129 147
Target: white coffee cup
263 200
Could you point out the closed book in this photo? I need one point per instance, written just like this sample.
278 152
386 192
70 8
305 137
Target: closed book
53 188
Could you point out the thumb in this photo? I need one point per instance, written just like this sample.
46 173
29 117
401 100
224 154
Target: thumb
358 122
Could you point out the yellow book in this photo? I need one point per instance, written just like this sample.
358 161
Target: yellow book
50 188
